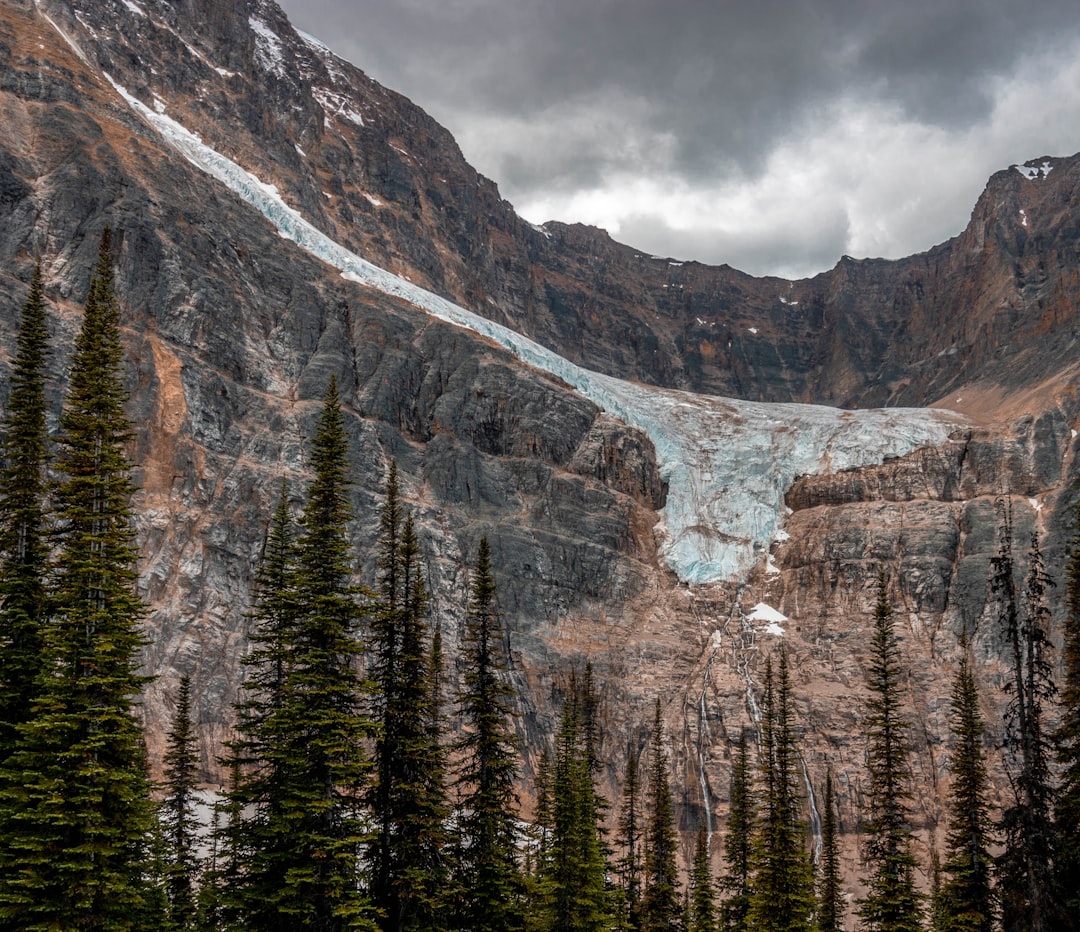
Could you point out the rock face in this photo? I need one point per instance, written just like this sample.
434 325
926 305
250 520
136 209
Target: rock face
232 333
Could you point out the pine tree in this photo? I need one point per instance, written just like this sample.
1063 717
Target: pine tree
630 831
487 877
1029 897
782 889
75 813
702 892
830 913
892 903
661 907
178 815
1067 746
23 548
735 882
965 899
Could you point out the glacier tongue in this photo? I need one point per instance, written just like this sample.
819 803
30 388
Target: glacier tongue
727 463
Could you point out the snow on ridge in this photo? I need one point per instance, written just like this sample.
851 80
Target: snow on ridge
727 462
1032 171
268 53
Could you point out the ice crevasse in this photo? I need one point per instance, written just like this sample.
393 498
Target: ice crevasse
727 463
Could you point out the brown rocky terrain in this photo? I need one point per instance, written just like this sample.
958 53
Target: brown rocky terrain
232 333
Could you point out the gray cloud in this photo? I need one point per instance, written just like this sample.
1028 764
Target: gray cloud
557 98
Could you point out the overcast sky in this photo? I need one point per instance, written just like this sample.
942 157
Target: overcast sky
774 136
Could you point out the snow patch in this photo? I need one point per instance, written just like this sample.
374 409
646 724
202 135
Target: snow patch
225 73
1035 504
727 462
159 104
753 330
540 229
299 151
766 613
372 199
1023 218
1032 171
774 629
771 569
268 52
784 300
134 7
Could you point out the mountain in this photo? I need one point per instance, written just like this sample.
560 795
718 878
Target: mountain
672 539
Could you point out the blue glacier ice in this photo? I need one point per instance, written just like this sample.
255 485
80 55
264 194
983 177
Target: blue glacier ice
727 462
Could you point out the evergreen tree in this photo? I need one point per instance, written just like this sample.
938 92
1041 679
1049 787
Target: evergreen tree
661 908
630 831
573 894
417 798
965 901
892 903
487 878
735 882
1029 898
178 816
250 867
23 549
75 813
830 913
1067 744
300 847
782 889
702 892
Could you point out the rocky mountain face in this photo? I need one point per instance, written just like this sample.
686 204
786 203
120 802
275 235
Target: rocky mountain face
232 332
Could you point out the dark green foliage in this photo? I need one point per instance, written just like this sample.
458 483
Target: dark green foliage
702 893
177 814
661 906
965 901
735 882
23 547
782 889
247 870
830 911
892 903
1067 745
487 877
75 814
1029 897
408 796
298 844
630 840
572 894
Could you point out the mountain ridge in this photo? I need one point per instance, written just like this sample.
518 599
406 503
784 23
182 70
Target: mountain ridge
232 334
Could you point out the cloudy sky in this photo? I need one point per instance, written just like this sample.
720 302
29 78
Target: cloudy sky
775 136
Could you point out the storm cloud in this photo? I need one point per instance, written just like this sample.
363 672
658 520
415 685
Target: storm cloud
774 136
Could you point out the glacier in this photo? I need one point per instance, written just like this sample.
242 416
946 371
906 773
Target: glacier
727 463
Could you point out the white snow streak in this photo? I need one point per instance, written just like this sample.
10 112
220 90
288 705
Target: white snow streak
268 52
727 463
1031 171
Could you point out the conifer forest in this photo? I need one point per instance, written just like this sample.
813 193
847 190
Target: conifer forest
353 804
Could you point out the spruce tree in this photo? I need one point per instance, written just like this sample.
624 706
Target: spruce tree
487 879
661 904
782 889
965 899
735 881
1029 896
301 841
892 903
630 839
1067 745
250 868
573 895
830 911
23 548
178 815
702 891
75 813
417 798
